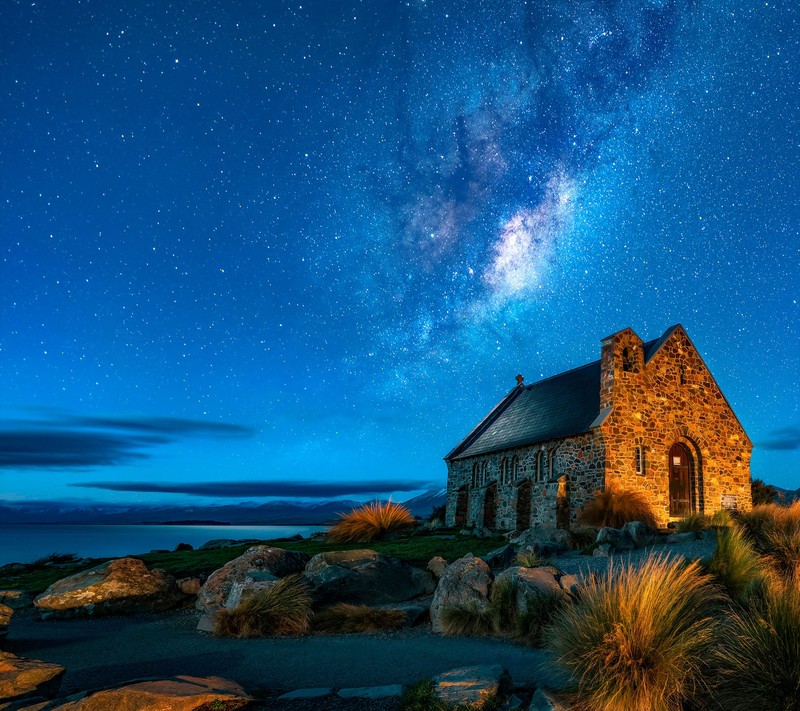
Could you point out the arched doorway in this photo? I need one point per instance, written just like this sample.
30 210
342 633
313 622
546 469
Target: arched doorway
490 506
681 472
461 507
524 506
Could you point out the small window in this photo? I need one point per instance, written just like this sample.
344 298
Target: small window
552 464
514 469
484 473
475 474
539 473
627 360
504 471
682 372
639 460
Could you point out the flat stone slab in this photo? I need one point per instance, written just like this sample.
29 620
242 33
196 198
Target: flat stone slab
372 692
545 701
316 693
471 686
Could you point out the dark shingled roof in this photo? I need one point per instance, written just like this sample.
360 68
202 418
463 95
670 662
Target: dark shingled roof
559 406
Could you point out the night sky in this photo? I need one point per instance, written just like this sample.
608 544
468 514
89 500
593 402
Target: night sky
274 248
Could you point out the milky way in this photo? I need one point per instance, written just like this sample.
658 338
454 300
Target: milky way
341 228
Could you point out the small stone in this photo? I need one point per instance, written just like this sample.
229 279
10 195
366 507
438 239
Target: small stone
472 686
314 693
602 551
189 586
372 692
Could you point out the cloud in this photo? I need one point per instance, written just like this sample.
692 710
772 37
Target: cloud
784 439
244 489
69 442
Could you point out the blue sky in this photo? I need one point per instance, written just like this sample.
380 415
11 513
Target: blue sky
312 243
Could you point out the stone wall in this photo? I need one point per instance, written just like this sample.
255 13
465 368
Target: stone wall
673 398
581 459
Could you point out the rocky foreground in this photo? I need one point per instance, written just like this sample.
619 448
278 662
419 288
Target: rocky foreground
126 587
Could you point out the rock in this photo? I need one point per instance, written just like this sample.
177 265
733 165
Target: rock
436 566
617 539
471 686
300 694
6 613
603 550
562 537
466 532
22 678
545 701
532 583
365 577
571 584
371 692
184 547
680 537
189 586
500 558
513 702
254 581
535 540
180 693
218 543
15 599
118 587
639 533
415 612
466 579
277 561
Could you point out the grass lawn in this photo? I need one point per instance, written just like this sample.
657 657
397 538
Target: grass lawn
416 549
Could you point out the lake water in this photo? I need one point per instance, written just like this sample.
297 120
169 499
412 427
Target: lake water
25 543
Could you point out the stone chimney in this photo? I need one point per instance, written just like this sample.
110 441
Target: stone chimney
621 358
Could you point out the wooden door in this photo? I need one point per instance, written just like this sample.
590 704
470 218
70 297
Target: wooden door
680 477
490 506
524 506
461 507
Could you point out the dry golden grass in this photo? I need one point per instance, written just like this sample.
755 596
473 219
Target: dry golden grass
758 663
371 522
775 532
467 619
615 507
693 523
637 638
283 609
736 565
345 618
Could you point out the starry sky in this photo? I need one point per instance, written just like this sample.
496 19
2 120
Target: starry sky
298 249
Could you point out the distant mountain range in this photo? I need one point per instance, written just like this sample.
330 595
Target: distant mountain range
249 514
786 496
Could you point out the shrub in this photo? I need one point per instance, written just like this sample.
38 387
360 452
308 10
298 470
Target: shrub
371 522
347 619
583 536
775 532
530 559
285 608
759 662
721 519
693 523
762 493
467 619
615 507
635 638
503 605
540 612
56 559
736 565
783 552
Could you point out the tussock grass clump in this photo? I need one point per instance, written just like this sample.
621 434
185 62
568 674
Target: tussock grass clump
775 533
636 638
530 559
736 565
371 522
468 619
283 609
503 606
583 536
693 523
615 507
721 519
539 613
349 619
759 662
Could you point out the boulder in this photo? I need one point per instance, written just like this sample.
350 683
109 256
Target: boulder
603 550
365 577
118 587
471 686
500 558
466 579
571 584
277 561
254 581
23 678
639 533
180 693
436 566
537 541
532 583
618 540
6 613
15 599
189 586
562 537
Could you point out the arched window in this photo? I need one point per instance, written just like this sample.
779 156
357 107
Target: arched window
640 460
539 473
627 360
475 474
551 464
504 471
484 473
514 468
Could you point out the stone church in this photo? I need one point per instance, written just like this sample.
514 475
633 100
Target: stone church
646 416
